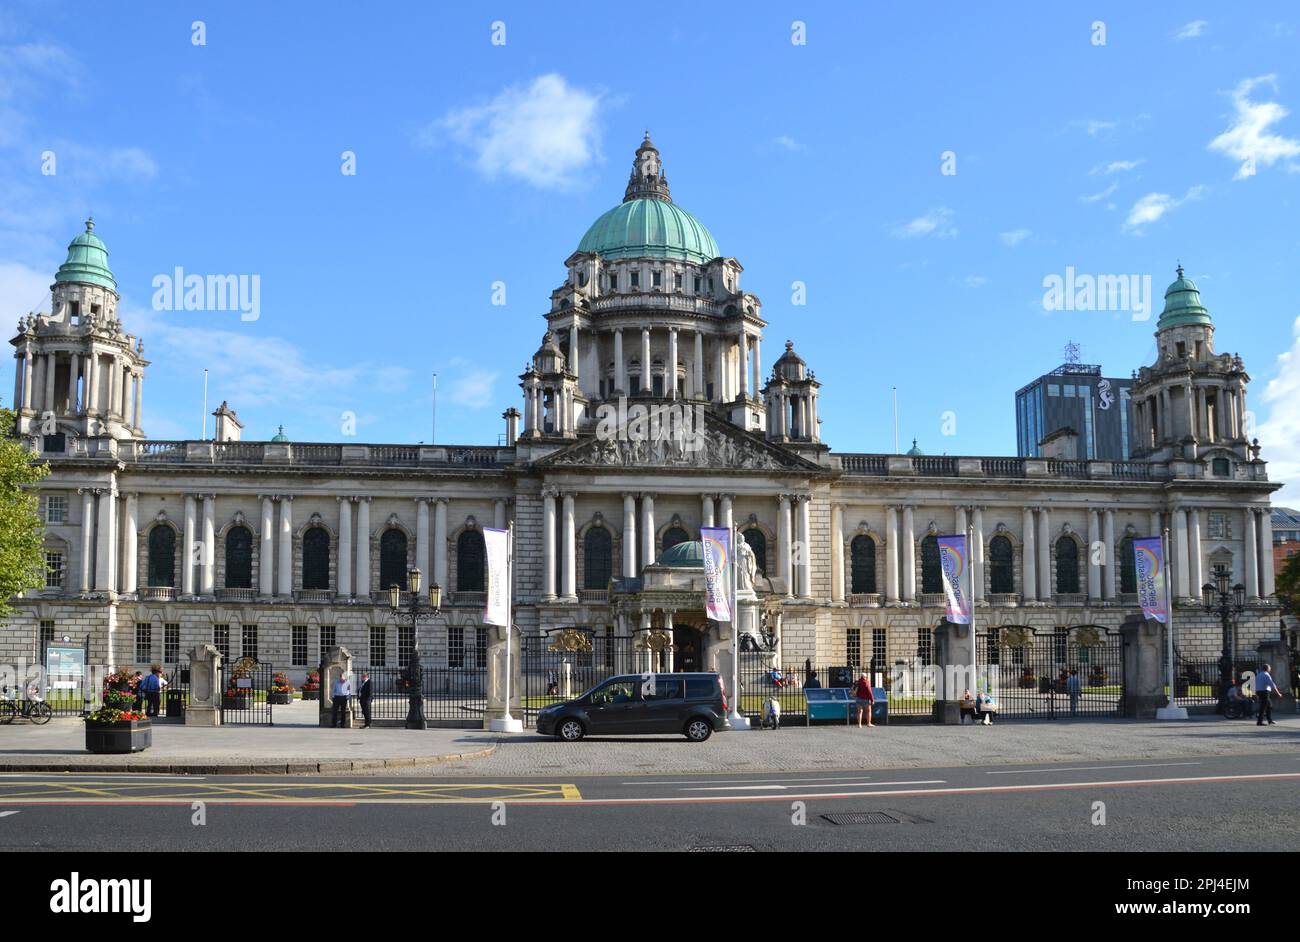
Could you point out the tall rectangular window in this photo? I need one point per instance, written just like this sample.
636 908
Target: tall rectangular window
880 648
1125 403
327 640
455 646
171 643
298 646
143 642
47 636
635 277
405 644
657 279
249 641
992 651
480 648
221 639
1061 645
378 647
56 509
54 568
853 647
925 646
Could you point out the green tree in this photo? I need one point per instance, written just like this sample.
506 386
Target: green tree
1287 585
22 564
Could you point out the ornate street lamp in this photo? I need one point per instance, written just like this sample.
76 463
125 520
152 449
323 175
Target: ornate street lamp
417 613
1229 603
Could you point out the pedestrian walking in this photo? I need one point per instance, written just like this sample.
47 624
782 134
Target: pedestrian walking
1072 687
865 698
342 693
1265 687
552 684
150 688
363 695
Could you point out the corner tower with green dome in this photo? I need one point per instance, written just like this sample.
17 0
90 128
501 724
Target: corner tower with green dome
79 376
1191 403
652 310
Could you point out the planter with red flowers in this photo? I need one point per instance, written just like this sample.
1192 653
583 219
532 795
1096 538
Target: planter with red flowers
116 727
281 691
237 698
311 686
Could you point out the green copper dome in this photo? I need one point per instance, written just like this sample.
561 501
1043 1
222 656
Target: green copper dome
915 452
1183 305
87 261
654 228
689 555
280 436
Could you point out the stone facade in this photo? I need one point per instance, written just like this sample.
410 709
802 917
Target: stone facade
646 416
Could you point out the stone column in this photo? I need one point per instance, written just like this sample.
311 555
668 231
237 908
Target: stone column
191 540
646 383
1045 590
570 558
1182 561
362 540
27 379
207 555
51 365
130 531
837 554
87 535
422 540
285 546
908 560
499 514
574 360
70 399
805 548
548 544
91 395
783 544
629 535
620 367
139 398
647 530
266 550
440 575
699 388
1028 557
1196 571
706 510
667 656
742 364
977 552
1266 586
1157 527
343 565
1093 570
891 555
758 368
1249 540
106 542
719 372
1112 569
959 522
670 368
726 518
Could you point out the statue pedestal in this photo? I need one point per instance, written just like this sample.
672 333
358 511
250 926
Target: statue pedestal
204 708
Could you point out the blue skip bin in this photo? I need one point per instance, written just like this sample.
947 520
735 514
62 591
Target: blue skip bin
838 703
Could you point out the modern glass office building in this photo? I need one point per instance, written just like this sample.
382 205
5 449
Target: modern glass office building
1076 396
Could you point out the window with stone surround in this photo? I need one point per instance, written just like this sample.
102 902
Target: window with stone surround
46 636
405 644
298 646
56 508
239 558
853 647
162 556
392 560
879 649
221 639
1127 567
1067 566
455 646
1061 645
378 647
171 642
470 562
328 639
248 641
1219 528
54 569
1002 577
316 559
862 566
598 558
757 541
925 646
931 574
143 642
480 648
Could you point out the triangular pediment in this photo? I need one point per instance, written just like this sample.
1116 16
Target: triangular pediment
718 446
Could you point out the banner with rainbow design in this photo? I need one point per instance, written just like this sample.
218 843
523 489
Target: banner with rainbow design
1149 561
716 543
953 560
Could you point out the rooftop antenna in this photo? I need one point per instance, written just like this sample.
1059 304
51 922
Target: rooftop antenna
895 420
1072 351
433 440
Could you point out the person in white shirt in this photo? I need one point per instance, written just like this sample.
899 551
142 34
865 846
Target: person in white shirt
1265 688
341 693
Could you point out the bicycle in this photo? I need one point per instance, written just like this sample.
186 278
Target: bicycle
35 709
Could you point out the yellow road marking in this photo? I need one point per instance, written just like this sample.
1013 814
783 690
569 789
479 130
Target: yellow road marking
269 792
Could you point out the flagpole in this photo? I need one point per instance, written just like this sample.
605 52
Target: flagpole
970 564
737 719
507 723
1169 711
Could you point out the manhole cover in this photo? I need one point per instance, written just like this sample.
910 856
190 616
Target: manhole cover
724 848
861 817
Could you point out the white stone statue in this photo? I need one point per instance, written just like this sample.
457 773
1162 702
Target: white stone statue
747 569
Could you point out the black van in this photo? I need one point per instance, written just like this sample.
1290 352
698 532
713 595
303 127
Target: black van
691 704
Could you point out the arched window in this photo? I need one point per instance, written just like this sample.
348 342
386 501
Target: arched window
758 543
862 555
598 558
673 536
162 556
239 558
1001 567
1067 566
316 559
1128 580
392 559
470 561
931 578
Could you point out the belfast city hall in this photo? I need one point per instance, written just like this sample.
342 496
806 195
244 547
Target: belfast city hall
647 412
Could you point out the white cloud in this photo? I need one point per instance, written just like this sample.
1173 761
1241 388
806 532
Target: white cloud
976 281
1279 435
544 133
471 386
27 68
787 142
1098 197
23 290
1189 30
1014 237
1248 139
1093 127
1153 206
936 222
1116 166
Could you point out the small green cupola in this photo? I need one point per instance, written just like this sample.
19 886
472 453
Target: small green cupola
688 554
914 452
87 261
1183 307
280 436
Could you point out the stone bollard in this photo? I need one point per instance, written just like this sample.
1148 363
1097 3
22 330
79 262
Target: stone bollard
204 708
1144 657
1278 654
337 663
496 677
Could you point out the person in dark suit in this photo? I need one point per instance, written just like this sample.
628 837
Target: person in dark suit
363 695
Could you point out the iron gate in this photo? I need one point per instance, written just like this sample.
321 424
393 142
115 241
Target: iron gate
567 663
245 693
1060 673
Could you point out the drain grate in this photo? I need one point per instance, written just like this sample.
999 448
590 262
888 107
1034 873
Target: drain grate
724 849
861 817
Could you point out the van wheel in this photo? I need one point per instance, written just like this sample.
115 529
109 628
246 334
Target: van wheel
570 731
698 730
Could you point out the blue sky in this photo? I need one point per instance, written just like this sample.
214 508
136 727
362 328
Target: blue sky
820 163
